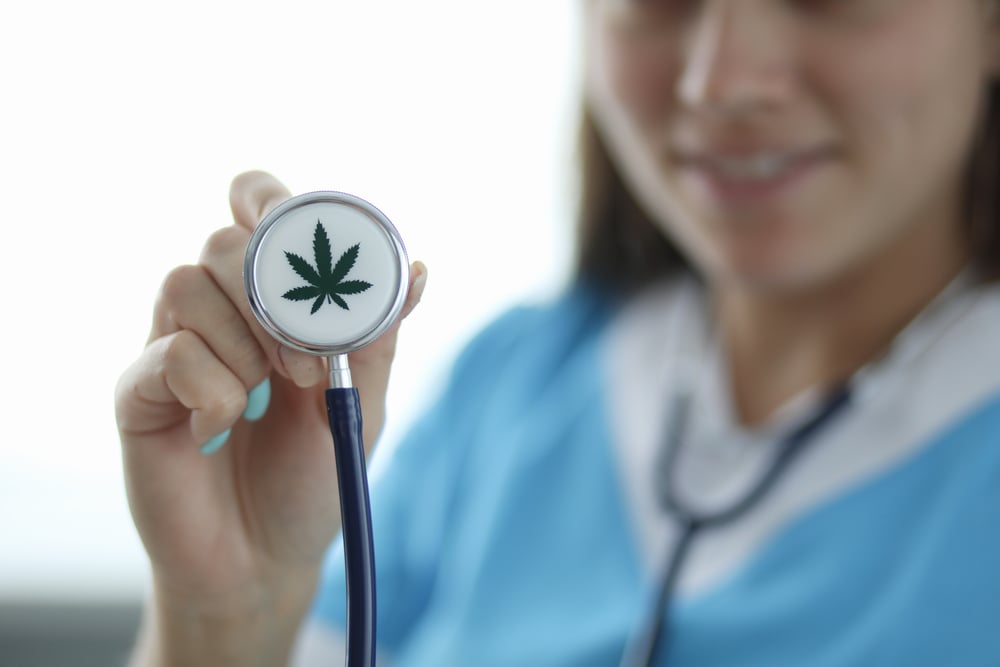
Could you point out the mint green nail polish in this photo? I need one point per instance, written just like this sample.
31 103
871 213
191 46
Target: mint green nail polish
257 401
215 443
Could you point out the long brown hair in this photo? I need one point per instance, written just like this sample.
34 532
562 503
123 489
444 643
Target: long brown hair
620 247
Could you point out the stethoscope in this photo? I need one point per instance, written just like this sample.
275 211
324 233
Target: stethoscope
326 273
652 633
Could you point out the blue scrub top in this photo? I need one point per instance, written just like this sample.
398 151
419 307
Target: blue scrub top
503 537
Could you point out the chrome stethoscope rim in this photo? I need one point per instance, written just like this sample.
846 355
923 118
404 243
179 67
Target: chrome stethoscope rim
265 317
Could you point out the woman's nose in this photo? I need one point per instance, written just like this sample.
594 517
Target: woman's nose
738 57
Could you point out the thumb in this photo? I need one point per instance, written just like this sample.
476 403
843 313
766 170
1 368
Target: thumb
252 195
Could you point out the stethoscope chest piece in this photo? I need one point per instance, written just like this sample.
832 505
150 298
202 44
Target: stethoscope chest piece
326 273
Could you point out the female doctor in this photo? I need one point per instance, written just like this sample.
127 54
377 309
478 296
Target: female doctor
762 427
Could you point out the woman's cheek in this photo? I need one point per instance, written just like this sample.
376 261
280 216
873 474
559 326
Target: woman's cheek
640 74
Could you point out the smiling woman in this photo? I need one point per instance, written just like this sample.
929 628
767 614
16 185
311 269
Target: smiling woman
805 139
771 386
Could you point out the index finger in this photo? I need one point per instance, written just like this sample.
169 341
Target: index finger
252 195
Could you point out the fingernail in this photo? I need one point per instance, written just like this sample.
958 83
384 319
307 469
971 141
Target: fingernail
303 369
257 401
418 287
216 443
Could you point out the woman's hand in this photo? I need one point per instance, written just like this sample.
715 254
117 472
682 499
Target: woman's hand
239 533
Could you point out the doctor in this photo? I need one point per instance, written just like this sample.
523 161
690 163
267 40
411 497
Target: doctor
794 193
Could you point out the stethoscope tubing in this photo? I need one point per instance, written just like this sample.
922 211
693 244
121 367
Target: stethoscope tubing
653 632
642 650
343 408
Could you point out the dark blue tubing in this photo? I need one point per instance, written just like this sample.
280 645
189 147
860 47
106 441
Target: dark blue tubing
344 410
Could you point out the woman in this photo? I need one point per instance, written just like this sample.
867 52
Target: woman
789 245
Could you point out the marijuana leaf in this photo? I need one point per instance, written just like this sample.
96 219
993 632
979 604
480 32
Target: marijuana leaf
324 282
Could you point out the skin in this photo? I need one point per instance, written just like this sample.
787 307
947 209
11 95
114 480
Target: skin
814 272
235 539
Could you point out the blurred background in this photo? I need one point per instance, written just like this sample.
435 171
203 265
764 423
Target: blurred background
121 126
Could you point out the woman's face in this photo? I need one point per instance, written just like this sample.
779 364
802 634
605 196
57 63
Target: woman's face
782 142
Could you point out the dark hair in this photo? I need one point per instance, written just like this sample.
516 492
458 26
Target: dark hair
983 196
619 246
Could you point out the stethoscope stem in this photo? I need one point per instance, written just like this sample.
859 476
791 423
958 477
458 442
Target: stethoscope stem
343 407
340 372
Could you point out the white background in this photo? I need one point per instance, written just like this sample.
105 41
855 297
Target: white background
121 125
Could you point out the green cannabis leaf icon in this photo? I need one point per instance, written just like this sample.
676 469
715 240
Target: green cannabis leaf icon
324 282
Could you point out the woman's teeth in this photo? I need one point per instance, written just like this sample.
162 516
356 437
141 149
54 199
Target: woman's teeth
762 167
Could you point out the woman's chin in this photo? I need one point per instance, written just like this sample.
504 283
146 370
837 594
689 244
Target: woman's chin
769 270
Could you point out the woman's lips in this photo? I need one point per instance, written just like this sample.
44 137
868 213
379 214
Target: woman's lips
750 177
